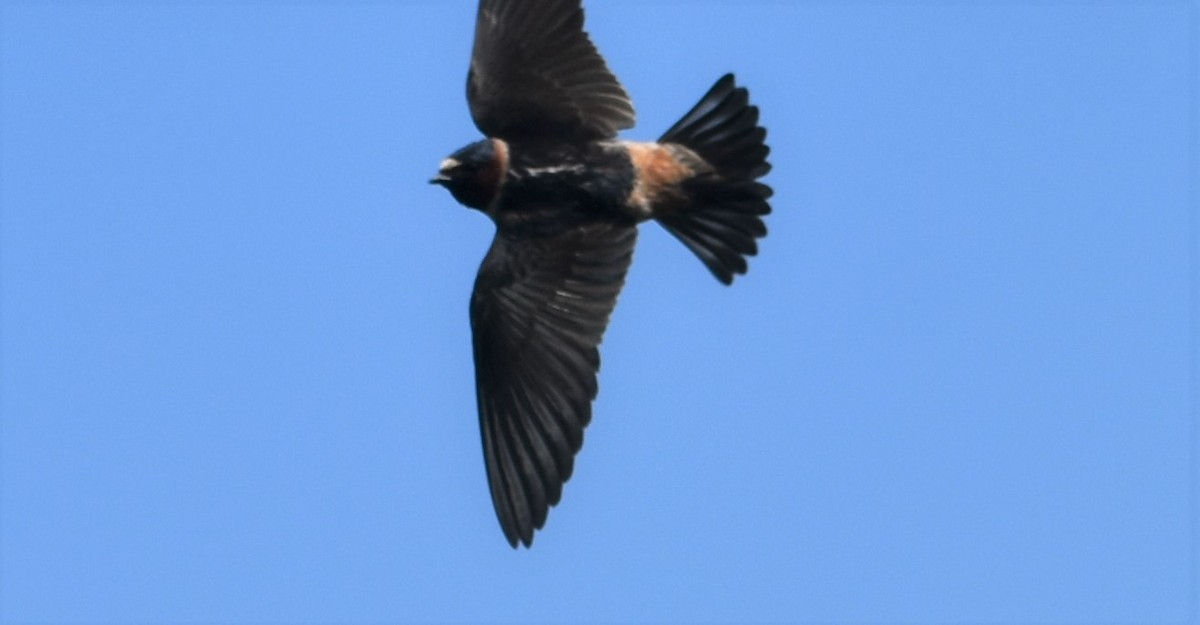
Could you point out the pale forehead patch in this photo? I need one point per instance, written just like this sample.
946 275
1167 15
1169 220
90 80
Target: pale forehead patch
449 164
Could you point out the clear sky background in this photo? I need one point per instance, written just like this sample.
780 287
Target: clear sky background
956 386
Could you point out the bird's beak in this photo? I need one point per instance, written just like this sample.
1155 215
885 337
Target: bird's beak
443 178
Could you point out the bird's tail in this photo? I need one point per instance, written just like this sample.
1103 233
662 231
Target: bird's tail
721 219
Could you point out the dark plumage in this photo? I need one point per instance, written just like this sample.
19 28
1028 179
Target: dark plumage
567 198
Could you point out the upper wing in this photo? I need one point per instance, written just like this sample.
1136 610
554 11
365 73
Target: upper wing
538 313
535 73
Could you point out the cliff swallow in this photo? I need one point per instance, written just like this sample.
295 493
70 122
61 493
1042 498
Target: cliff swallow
566 197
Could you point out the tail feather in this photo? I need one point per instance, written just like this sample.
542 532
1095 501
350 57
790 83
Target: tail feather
723 219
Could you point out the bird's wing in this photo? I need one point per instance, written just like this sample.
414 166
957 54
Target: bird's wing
535 73
538 312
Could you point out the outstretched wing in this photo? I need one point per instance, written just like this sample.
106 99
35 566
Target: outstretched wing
535 73
538 313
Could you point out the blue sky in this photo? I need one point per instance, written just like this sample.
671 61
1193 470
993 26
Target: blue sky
956 386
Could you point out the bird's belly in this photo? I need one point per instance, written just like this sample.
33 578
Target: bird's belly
565 188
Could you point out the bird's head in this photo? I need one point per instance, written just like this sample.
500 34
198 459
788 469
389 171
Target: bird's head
474 173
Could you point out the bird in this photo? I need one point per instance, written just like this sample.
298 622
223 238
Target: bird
567 197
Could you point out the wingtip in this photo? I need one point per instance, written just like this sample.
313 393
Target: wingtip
516 542
511 537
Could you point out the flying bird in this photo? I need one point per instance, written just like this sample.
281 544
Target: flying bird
566 197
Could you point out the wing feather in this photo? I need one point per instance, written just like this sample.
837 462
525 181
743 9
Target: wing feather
538 313
536 73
